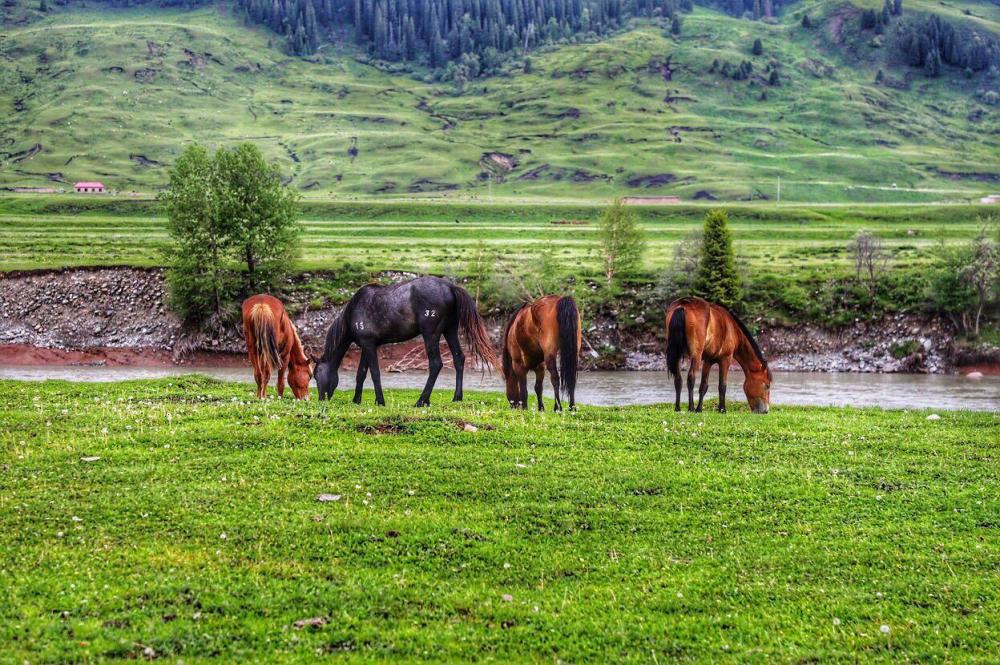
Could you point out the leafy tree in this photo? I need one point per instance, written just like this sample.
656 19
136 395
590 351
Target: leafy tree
758 47
717 279
622 242
806 22
982 274
232 228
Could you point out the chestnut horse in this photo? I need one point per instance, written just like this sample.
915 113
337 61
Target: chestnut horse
534 336
709 333
274 345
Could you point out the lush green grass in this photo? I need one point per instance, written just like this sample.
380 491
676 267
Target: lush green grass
47 232
610 534
586 121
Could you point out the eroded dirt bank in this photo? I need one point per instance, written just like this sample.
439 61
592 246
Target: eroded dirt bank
118 316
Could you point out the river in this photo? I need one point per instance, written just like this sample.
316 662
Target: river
891 391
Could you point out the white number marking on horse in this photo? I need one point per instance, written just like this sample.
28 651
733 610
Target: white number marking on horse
360 325
430 313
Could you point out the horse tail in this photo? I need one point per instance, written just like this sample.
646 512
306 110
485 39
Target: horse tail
474 327
568 320
264 339
677 344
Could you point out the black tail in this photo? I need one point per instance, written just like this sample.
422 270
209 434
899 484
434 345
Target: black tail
677 345
474 327
568 319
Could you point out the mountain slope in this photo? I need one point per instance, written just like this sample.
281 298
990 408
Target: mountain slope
115 95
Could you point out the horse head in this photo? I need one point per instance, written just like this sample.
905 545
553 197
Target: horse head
326 376
757 386
300 373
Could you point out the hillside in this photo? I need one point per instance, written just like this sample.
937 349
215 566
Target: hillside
115 95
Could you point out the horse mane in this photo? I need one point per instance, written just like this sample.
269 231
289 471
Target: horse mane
749 336
338 331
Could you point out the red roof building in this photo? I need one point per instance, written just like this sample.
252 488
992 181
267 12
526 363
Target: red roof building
89 188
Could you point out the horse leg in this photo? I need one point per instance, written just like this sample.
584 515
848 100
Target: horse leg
432 344
523 388
703 388
539 382
692 371
281 380
678 388
550 362
457 357
359 379
372 352
723 378
265 378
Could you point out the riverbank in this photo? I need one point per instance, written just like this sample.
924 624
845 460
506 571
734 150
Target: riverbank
179 519
118 316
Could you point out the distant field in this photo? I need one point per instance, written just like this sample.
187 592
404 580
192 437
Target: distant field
116 94
51 232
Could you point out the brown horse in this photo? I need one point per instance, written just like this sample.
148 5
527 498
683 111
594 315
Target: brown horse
533 337
709 333
274 345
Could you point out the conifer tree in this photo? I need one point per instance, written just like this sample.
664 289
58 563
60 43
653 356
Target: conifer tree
717 279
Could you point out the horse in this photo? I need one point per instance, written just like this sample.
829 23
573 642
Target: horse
534 336
274 344
376 315
709 333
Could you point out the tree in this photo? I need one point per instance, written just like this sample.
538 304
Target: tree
982 274
43 6
262 210
200 282
232 229
758 47
774 79
717 279
675 26
621 240
806 22
870 259
879 76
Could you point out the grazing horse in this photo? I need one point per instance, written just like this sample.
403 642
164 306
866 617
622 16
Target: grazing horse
376 315
709 333
534 336
274 345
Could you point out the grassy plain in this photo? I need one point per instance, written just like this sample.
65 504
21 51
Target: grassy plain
183 517
51 232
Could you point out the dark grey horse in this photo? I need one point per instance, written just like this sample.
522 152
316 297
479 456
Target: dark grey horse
376 315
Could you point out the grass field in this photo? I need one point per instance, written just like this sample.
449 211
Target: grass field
50 232
115 95
180 516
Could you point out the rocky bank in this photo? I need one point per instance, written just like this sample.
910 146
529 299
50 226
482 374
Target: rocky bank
112 312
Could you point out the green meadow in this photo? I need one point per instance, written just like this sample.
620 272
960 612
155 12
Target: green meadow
115 95
181 519
439 237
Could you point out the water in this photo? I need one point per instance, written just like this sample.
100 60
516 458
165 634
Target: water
891 391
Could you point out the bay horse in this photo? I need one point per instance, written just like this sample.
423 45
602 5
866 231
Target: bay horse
709 333
537 333
274 345
376 315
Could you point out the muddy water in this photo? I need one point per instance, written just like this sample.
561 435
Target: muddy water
619 388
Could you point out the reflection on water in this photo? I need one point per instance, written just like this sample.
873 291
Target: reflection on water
620 388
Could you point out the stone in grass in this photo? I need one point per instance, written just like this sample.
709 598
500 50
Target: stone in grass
311 622
323 498
934 416
469 427
90 458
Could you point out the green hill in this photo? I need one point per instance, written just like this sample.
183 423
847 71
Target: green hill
115 95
